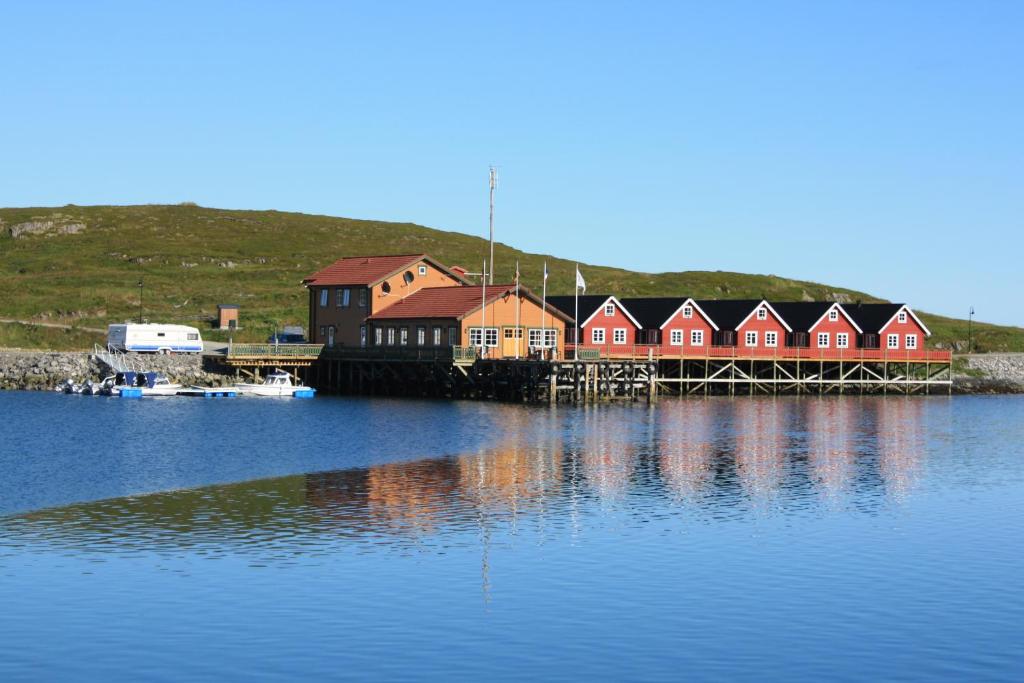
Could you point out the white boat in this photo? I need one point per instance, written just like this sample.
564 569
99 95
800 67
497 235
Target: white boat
277 383
139 384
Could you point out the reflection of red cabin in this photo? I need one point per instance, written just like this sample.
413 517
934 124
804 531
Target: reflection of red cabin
605 323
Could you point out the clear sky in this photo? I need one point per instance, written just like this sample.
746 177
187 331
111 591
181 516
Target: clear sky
877 145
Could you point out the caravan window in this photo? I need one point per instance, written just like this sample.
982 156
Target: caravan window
193 336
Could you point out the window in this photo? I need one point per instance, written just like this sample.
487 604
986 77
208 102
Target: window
696 337
911 341
161 334
771 339
751 338
687 312
453 335
391 336
485 336
892 341
597 335
421 335
344 298
542 338
676 338
362 335
323 331
823 340
842 340
609 310
403 336
378 336
902 316
437 336
362 298
323 298
619 335
330 335
423 270
833 315
762 313
193 336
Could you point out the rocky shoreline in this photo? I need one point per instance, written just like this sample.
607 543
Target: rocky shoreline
44 370
989 373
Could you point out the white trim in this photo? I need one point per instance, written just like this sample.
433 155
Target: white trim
690 302
625 336
764 303
888 341
604 335
843 337
746 339
672 337
906 342
823 335
697 332
845 315
913 315
600 309
773 344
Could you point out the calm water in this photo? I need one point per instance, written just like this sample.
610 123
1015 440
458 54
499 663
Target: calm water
789 539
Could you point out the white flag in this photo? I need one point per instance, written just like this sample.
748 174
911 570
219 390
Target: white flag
545 271
580 282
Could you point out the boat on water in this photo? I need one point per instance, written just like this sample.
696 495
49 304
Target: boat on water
136 384
277 383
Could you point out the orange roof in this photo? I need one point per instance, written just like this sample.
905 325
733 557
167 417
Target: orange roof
452 302
364 270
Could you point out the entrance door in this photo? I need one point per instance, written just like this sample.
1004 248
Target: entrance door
511 340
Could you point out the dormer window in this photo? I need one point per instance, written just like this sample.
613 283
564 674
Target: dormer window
609 310
762 313
687 311
833 315
902 316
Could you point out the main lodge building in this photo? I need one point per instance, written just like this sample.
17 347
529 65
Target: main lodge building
414 302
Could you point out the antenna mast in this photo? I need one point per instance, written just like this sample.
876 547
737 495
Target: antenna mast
494 184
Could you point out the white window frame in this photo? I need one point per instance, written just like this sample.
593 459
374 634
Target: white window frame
422 270
892 341
675 337
833 315
542 338
597 335
901 316
362 336
750 338
771 339
687 312
609 310
487 335
391 336
823 339
362 298
378 336
911 342
762 313
346 297
324 293
619 336
437 335
421 335
403 335
842 340
696 337
453 334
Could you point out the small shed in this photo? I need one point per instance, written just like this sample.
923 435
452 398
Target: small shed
227 316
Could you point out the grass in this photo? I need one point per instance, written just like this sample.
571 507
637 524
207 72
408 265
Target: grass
191 258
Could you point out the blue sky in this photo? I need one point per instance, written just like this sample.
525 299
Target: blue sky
872 145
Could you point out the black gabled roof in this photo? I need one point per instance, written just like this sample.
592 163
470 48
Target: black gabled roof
588 304
800 315
728 313
871 317
652 312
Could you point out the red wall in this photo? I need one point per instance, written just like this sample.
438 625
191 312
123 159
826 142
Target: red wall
833 328
678 322
609 323
770 324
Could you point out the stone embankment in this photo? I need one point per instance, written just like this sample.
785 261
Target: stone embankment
44 370
989 373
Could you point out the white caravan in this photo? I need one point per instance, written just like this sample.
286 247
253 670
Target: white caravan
154 338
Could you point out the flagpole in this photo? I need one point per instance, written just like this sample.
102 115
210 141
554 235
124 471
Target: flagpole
576 316
483 311
544 313
519 331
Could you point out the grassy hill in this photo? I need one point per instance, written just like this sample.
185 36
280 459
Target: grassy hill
80 266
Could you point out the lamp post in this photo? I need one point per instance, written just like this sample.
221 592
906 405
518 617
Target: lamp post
970 331
140 302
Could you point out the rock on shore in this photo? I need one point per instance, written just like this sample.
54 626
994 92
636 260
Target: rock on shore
989 373
42 370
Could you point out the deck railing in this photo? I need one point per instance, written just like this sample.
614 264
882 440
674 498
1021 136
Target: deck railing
647 351
303 351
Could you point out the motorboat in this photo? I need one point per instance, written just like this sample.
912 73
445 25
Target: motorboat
277 383
136 384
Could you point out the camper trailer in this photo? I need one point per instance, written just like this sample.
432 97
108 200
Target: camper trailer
154 338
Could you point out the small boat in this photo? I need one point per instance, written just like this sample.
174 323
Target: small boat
277 383
138 384
68 386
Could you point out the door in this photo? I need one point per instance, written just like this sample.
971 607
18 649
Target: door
512 339
330 336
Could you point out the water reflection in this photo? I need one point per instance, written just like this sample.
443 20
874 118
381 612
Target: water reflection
559 470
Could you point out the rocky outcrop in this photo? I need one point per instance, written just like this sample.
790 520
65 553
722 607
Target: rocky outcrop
989 373
54 225
45 370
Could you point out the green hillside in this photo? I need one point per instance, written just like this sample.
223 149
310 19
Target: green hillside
80 266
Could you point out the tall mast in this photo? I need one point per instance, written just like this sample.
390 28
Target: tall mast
493 184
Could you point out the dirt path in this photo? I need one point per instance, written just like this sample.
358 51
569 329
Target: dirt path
58 326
